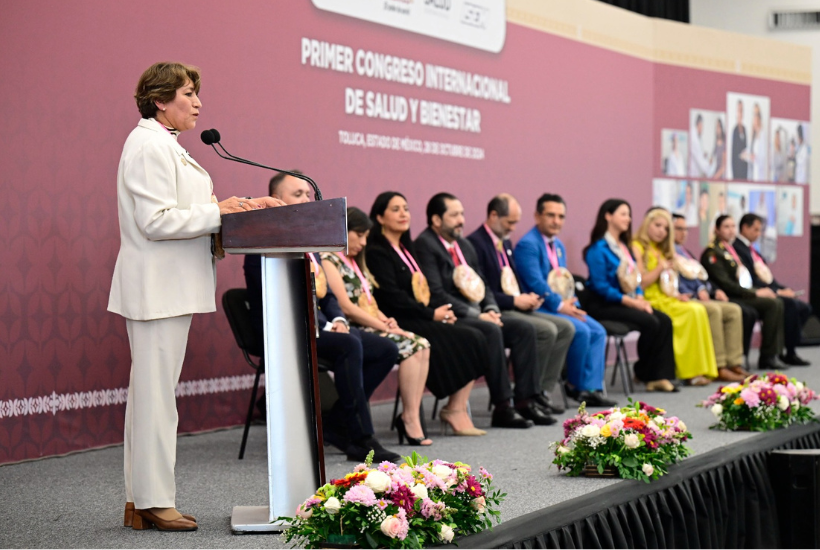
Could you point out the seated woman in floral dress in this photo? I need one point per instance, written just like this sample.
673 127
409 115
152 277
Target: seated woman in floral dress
353 285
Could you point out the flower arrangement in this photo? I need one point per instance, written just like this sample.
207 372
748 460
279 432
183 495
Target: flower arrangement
638 441
416 504
761 403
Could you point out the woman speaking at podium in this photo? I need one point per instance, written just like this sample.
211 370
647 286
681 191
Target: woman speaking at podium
165 272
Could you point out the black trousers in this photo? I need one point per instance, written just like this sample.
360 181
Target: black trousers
749 319
656 357
360 361
795 315
519 336
770 311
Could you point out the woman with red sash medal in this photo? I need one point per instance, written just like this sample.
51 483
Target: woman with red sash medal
353 286
402 293
615 295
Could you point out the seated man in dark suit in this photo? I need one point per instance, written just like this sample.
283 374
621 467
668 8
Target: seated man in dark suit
447 260
795 312
495 258
359 360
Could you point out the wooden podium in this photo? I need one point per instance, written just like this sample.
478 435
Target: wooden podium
295 453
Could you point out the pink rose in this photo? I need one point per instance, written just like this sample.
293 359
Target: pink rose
395 527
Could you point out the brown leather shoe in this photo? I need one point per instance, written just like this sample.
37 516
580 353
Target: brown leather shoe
128 517
145 519
728 375
737 369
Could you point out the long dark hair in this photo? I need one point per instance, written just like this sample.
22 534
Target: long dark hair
358 222
601 225
378 209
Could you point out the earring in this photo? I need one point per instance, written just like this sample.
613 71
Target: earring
163 109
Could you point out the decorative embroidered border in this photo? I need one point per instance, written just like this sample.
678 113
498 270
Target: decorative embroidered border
55 402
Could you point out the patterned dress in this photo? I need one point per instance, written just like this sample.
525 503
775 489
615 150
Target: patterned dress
353 286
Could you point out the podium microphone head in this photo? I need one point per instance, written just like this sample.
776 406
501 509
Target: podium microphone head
209 137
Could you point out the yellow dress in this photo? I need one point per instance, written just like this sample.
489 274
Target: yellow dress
691 332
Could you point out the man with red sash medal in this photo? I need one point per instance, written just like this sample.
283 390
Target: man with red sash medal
359 360
795 312
495 258
541 258
728 273
450 264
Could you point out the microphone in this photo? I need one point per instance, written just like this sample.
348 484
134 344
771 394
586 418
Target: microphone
212 137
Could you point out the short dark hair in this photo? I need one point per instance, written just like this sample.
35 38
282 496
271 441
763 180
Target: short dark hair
720 219
500 205
160 82
437 206
800 131
548 197
276 180
678 217
698 119
749 220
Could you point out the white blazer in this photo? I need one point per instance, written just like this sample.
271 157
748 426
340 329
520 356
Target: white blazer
165 267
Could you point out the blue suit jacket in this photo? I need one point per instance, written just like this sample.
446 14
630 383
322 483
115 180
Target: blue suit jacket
603 272
488 262
534 267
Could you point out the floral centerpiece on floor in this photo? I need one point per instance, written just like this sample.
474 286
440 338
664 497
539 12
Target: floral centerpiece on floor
761 403
418 503
637 441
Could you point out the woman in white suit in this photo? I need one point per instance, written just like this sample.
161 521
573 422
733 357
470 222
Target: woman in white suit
165 273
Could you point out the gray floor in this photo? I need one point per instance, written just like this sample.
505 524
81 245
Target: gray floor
76 501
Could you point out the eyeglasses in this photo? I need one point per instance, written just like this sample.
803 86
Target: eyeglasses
681 229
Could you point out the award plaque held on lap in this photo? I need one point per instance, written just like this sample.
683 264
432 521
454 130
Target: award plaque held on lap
283 236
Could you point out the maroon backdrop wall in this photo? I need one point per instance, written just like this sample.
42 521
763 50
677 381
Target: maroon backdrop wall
582 121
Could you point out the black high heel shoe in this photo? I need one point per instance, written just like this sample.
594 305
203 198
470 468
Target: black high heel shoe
398 422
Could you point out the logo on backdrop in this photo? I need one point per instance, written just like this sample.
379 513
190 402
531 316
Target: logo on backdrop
479 24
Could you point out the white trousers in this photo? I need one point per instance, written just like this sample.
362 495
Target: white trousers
157 352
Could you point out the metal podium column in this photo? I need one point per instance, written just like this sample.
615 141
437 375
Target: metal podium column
293 454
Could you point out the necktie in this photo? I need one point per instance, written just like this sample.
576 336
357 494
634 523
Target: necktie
452 251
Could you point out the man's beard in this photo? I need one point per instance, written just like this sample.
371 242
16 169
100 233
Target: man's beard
452 233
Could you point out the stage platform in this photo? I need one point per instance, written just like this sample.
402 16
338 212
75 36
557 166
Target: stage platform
76 501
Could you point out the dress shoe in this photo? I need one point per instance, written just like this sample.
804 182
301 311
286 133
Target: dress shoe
445 415
145 519
661 385
358 451
547 405
571 391
333 437
596 399
507 417
398 422
128 517
531 411
771 363
728 375
794 360
737 369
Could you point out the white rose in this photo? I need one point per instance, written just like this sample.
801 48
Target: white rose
479 504
648 469
446 533
590 430
442 471
717 409
795 405
782 402
799 386
631 441
681 425
617 415
378 481
332 505
420 491
561 450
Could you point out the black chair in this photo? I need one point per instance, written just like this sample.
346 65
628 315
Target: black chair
615 334
237 310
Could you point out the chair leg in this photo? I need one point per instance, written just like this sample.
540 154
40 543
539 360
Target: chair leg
395 411
564 393
435 409
614 341
621 365
250 414
627 371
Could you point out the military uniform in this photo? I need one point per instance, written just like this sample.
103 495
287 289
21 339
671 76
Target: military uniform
722 270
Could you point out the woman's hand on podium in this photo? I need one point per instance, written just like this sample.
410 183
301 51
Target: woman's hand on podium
233 205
